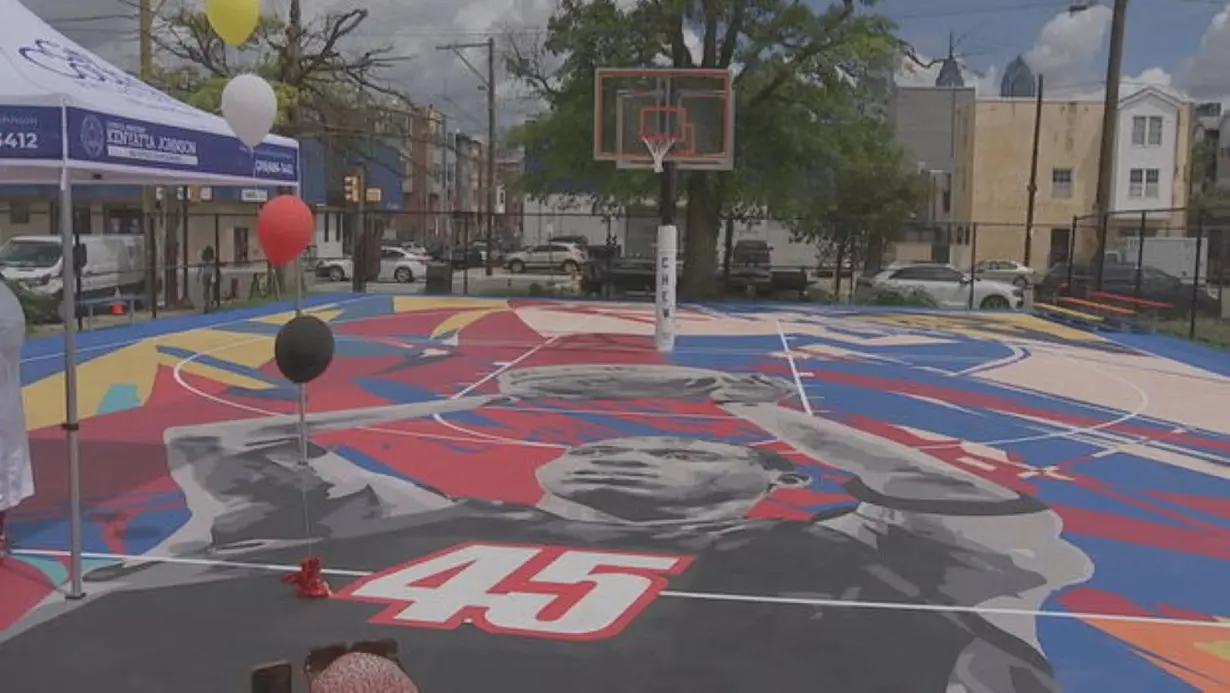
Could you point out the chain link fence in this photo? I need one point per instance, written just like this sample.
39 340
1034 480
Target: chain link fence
1163 269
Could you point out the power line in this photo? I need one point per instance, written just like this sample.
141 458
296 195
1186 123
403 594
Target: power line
982 8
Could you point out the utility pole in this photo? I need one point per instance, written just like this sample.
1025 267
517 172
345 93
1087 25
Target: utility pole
1033 176
1110 121
488 81
491 196
145 43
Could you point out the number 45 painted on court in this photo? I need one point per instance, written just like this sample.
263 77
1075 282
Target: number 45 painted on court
538 591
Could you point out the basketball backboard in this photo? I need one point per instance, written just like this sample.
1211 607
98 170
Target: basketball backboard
686 116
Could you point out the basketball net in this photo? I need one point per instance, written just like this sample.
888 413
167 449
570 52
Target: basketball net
659 146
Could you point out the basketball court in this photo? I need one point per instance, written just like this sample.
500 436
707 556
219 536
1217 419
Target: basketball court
700 539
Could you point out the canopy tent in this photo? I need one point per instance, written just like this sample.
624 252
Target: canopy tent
62 107
68 117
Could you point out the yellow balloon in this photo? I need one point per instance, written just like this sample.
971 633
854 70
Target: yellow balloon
234 20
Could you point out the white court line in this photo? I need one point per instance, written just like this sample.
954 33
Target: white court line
794 369
700 596
177 374
1072 431
495 374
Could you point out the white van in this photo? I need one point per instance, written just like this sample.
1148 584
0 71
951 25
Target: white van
113 263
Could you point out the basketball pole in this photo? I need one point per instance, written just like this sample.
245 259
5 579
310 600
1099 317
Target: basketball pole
667 291
667 252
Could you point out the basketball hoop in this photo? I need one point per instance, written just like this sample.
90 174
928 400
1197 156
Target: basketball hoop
659 146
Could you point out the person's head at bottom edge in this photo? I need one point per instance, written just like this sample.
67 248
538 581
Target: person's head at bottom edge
360 672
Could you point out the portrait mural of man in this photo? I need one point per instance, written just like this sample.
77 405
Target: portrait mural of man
638 569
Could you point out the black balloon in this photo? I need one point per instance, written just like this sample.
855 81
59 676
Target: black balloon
303 349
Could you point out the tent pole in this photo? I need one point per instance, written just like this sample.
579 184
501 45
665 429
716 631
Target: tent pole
71 424
300 282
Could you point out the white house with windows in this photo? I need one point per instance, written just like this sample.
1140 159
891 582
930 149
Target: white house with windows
1152 160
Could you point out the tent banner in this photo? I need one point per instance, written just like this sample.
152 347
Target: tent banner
107 139
31 132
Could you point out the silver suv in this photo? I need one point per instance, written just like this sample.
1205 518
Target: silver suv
565 257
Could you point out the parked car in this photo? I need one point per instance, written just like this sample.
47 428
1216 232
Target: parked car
396 263
949 287
1119 278
567 257
414 248
750 254
1007 271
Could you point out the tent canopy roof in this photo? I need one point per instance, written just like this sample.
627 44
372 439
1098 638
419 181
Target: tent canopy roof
61 105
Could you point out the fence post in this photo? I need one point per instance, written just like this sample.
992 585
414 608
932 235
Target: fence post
217 288
1191 318
1140 252
973 261
1223 268
465 257
1076 223
151 258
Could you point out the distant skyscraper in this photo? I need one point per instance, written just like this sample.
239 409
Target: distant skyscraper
1019 81
950 70
950 74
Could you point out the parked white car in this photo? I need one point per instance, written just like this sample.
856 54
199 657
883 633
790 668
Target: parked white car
1007 271
566 257
396 264
950 287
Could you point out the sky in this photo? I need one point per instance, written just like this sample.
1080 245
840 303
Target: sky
1180 44
1183 45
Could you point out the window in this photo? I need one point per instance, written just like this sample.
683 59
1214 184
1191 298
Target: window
1146 131
19 213
239 244
1061 182
1136 183
1139 123
1155 131
928 273
1152 178
122 220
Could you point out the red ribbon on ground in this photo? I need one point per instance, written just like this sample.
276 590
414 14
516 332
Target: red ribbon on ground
308 582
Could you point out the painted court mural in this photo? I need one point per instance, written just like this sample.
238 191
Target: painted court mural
529 498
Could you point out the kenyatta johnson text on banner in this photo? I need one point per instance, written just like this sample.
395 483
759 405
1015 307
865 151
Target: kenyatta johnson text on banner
125 141
30 132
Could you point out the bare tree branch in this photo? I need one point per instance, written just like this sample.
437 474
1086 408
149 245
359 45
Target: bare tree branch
333 82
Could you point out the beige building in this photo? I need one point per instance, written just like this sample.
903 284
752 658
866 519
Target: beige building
994 141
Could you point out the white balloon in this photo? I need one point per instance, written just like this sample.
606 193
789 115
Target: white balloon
250 107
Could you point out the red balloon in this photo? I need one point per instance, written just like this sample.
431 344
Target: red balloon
285 228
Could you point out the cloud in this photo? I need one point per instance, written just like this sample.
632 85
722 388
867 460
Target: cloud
1069 53
414 31
911 74
1204 75
1067 49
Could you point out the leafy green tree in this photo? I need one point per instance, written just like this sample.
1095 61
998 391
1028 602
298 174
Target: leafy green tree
867 196
801 75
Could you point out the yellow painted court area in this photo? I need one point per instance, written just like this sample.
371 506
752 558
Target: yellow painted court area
135 366
989 325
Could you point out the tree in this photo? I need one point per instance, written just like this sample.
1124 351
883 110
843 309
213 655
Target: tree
799 75
866 197
324 90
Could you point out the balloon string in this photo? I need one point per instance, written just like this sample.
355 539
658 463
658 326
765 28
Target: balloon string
306 468
303 429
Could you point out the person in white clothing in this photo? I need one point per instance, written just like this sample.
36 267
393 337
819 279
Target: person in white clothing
16 475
